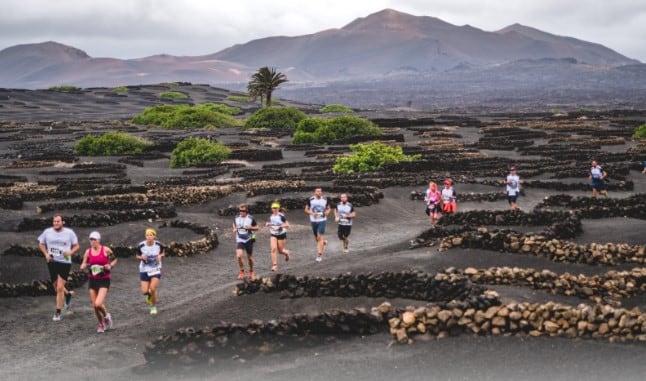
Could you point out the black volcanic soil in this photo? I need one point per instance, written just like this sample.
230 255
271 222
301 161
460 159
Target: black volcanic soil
196 291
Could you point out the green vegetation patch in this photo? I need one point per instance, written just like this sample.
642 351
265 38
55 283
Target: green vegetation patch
120 89
640 132
186 116
275 118
370 157
111 144
326 131
336 108
194 151
173 95
240 98
64 88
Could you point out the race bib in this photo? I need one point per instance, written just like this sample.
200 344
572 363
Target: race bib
344 221
56 251
275 229
155 271
96 269
242 231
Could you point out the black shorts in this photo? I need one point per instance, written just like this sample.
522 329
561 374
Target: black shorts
512 199
280 237
246 246
96 284
598 184
432 209
344 231
56 269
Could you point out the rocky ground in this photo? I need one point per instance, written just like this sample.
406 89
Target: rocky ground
191 209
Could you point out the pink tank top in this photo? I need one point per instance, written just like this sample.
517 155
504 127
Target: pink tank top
95 264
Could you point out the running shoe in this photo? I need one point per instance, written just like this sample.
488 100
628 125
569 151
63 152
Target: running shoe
148 300
346 250
274 267
68 300
241 275
153 310
252 276
319 258
286 255
107 321
57 317
100 328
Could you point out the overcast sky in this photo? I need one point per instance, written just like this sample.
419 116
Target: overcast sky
139 28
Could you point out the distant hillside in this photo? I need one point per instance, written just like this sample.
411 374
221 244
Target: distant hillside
415 55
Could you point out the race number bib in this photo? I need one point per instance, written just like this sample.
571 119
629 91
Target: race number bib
344 221
275 229
96 269
155 271
56 251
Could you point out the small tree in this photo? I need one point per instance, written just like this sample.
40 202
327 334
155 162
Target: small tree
111 143
640 132
275 118
192 151
264 82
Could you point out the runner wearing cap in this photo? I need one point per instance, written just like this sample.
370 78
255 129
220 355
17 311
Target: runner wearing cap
151 252
318 208
512 183
244 226
100 261
449 204
278 234
344 214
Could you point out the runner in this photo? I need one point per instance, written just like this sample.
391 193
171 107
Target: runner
278 234
597 175
150 254
449 204
433 199
58 244
317 208
100 261
512 187
344 214
244 227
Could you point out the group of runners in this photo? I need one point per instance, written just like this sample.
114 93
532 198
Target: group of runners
58 244
317 208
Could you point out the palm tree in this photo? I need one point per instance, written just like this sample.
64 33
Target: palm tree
264 82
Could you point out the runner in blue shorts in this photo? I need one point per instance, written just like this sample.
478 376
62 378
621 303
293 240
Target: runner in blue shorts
318 208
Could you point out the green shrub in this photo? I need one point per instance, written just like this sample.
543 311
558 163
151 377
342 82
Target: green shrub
370 157
240 98
640 132
185 116
326 131
172 95
110 144
120 89
192 151
336 108
64 88
221 108
275 118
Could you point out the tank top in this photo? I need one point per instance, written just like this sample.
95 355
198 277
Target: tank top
96 263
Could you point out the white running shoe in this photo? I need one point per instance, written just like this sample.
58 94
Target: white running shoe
319 258
57 317
107 321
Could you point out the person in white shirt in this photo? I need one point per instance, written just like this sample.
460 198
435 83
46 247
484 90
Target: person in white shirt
318 208
512 183
344 215
58 244
597 176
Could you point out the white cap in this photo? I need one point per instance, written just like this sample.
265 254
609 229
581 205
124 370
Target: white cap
95 235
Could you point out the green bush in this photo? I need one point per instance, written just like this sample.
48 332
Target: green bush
64 88
275 118
221 108
370 157
335 108
240 98
172 95
640 132
110 144
186 116
192 151
326 131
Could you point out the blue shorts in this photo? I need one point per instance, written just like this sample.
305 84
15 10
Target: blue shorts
318 227
512 199
144 277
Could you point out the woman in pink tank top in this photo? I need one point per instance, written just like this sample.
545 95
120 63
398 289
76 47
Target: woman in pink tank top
99 260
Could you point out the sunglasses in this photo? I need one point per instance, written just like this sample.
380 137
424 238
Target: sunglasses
92 239
242 211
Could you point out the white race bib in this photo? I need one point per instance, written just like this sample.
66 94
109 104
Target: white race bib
96 269
155 271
